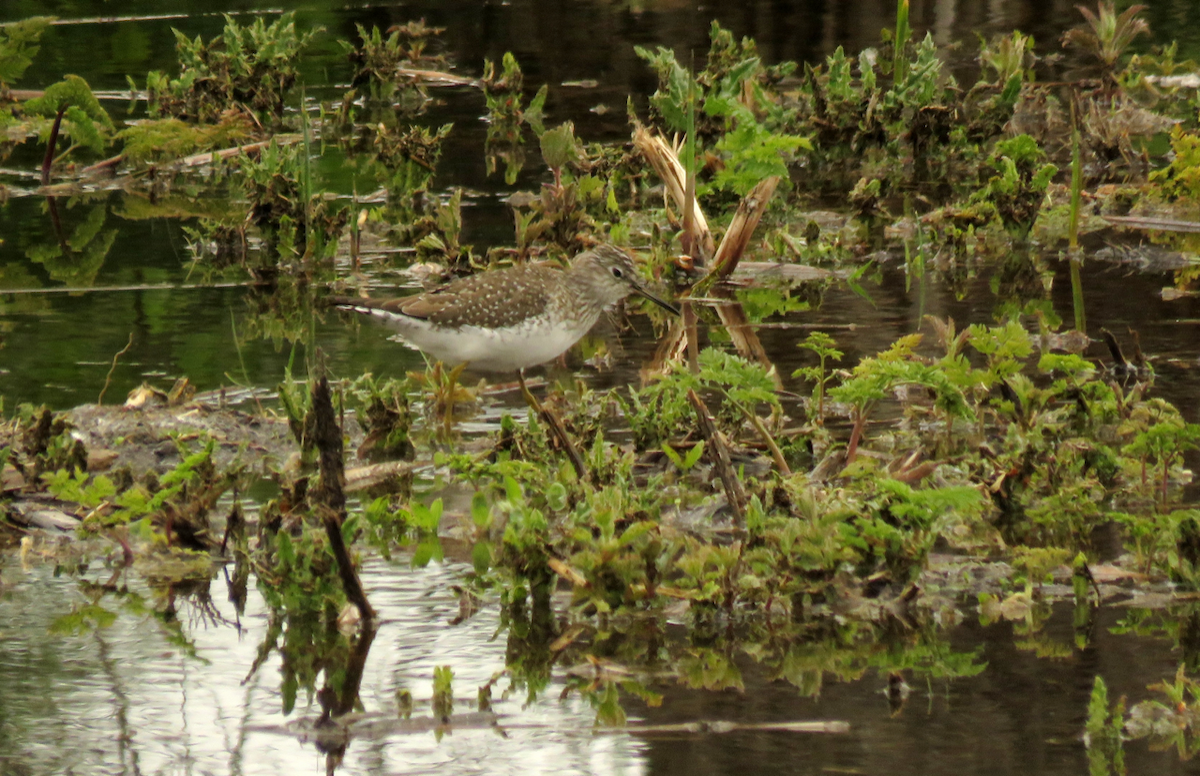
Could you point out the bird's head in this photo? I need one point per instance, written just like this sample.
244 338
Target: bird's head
611 275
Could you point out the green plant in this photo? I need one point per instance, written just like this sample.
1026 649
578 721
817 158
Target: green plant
1107 34
823 347
296 220
747 129
503 91
684 463
876 376
1163 443
377 60
384 413
1018 187
443 692
250 68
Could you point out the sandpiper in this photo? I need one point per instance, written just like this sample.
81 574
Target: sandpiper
509 319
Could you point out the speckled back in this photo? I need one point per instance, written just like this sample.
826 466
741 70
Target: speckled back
496 299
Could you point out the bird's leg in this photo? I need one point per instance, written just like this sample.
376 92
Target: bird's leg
557 430
529 398
451 395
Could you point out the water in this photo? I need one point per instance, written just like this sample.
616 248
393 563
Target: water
134 698
126 699
58 349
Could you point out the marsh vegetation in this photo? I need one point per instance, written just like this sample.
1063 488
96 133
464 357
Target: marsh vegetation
820 498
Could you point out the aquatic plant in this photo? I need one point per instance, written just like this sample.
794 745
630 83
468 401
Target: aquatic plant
295 220
742 131
1107 34
378 61
503 91
1018 187
251 68
823 347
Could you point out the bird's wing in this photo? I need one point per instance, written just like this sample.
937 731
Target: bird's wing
496 299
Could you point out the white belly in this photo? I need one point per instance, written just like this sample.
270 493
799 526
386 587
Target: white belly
490 350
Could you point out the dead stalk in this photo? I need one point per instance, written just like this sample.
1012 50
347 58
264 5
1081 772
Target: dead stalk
667 166
113 368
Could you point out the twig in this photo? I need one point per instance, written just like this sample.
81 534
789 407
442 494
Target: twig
113 368
557 430
720 456
329 498
745 220
769 441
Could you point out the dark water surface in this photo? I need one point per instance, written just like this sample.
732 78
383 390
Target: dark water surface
128 699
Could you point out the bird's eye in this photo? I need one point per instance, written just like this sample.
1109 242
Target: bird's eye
617 273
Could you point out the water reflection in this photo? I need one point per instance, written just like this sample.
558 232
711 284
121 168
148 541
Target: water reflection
97 680
112 676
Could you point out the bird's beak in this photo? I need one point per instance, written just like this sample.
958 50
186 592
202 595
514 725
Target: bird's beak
657 300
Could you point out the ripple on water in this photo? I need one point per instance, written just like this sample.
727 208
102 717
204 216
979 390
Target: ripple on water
124 698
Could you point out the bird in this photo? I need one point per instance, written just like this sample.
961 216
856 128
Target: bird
510 319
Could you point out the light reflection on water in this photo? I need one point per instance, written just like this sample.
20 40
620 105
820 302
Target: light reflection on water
122 699
125 700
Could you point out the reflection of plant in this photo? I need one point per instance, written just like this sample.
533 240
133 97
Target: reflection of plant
76 259
1102 734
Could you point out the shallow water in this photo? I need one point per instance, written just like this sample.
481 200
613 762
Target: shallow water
125 699
130 699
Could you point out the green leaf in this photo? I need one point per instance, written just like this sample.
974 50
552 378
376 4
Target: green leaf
693 456
635 532
559 146
481 556
674 457
481 511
